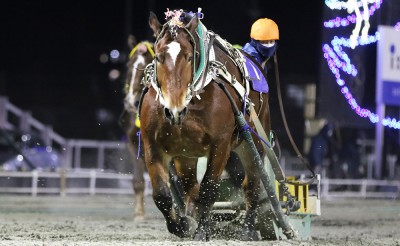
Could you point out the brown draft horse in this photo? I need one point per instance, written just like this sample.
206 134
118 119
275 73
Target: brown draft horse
141 54
177 129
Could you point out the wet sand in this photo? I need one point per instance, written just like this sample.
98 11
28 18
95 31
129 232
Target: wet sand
107 220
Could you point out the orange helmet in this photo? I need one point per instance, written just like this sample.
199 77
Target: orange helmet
264 29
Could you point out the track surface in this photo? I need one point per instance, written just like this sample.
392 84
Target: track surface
107 220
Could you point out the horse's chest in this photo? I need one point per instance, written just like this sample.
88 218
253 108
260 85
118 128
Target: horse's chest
183 140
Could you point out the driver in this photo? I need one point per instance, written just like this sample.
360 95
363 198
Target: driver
264 36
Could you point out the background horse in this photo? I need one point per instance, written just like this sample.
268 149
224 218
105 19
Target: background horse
177 129
141 54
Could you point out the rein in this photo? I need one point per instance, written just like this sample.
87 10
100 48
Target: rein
296 149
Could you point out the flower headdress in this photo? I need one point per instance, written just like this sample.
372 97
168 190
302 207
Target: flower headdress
177 16
174 17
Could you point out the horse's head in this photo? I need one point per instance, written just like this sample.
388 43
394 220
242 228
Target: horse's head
175 56
141 54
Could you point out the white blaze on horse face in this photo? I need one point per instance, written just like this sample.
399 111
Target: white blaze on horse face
130 97
173 50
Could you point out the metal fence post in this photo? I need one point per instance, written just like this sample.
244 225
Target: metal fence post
325 188
77 159
68 154
100 157
63 182
35 177
363 189
92 187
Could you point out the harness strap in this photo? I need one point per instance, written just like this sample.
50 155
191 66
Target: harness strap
234 54
233 81
201 32
267 182
279 174
203 79
144 91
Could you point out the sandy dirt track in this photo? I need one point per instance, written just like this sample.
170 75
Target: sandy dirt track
107 220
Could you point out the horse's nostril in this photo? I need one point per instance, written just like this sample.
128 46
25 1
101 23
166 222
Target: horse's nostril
168 113
183 112
175 119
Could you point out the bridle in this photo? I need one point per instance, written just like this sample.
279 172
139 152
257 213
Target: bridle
151 69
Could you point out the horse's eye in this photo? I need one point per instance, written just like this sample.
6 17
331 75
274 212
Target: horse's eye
159 58
190 58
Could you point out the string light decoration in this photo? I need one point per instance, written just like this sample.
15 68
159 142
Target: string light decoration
339 62
350 19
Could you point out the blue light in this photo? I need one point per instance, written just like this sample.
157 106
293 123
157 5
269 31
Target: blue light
114 54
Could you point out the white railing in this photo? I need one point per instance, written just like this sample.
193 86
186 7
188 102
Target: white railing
359 188
293 165
330 188
73 152
88 185
74 147
13 118
26 123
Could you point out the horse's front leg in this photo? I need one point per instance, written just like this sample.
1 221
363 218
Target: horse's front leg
138 186
209 189
187 171
176 224
251 188
138 172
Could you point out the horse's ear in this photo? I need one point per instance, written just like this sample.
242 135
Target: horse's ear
192 25
154 24
131 41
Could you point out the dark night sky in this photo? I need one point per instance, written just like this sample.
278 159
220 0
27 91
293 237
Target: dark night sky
50 51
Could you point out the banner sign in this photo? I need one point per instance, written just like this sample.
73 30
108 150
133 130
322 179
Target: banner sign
388 66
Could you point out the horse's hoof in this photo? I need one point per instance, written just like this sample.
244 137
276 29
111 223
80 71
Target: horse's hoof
202 234
249 235
201 237
138 214
138 217
192 225
186 227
